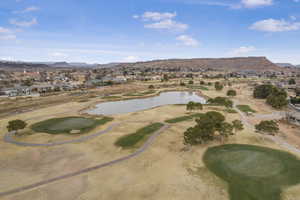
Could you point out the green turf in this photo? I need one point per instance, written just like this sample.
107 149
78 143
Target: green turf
183 118
131 140
229 110
253 172
245 108
67 124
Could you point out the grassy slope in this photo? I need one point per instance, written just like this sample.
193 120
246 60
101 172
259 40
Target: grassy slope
65 125
183 118
133 139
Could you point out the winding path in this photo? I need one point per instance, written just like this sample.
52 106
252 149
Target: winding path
86 170
275 115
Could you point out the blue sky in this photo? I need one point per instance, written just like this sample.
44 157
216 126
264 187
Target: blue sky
98 31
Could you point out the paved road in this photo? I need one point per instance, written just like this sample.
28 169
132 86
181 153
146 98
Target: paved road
83 171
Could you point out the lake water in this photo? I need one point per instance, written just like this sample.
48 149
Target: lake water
134 105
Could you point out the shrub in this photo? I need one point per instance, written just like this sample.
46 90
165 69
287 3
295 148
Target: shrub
218 86
151 87
221 101
16 125
191 82
270 127
231 93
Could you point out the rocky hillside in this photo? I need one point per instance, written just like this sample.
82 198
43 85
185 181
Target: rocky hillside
224 64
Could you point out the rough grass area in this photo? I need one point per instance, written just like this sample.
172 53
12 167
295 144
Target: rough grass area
253 172
131 140
245 108
140 94
67 124
111 97
183 118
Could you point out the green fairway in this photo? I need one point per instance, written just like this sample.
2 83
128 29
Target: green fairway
245 108
67 124
133 139
183 118
253 172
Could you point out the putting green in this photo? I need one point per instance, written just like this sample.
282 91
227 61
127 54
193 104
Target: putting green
67 124
253 172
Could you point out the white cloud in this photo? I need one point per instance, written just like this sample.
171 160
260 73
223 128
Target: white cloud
131 58
188 41
28 9
156 16
4 30
58 54
273 25
162 21
7 34
243 50
168 24
256 3
29 23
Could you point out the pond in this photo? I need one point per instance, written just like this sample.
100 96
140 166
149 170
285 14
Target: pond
134 105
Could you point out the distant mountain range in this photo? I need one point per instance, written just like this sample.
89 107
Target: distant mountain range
286 65
225 64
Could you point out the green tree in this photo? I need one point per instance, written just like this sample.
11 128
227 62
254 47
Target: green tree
221 101
237 125
277 101
16 125
191 82
182 83
202 83
151 87
198 106
270 127
263 91
218 86
206 128
231 93
190 106
292 81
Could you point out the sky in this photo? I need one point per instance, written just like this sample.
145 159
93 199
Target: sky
101 31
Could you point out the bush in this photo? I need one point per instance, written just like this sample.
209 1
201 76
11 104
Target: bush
270 127
292 81
202 83
263 91
218 86
231 93
208 125
221 101
182 84
16 125
191 82
151 87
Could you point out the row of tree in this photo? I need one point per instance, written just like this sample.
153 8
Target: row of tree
274 96
210 126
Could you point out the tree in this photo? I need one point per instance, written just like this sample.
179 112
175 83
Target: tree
206 128
191 82
263 91
202 83
16 125
198 106
231 93
182 84
270 127
165 77
218 86
237 125
151 87
292 81
190 106
277 102
221 101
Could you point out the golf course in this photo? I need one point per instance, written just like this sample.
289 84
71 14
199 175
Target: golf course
253 172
